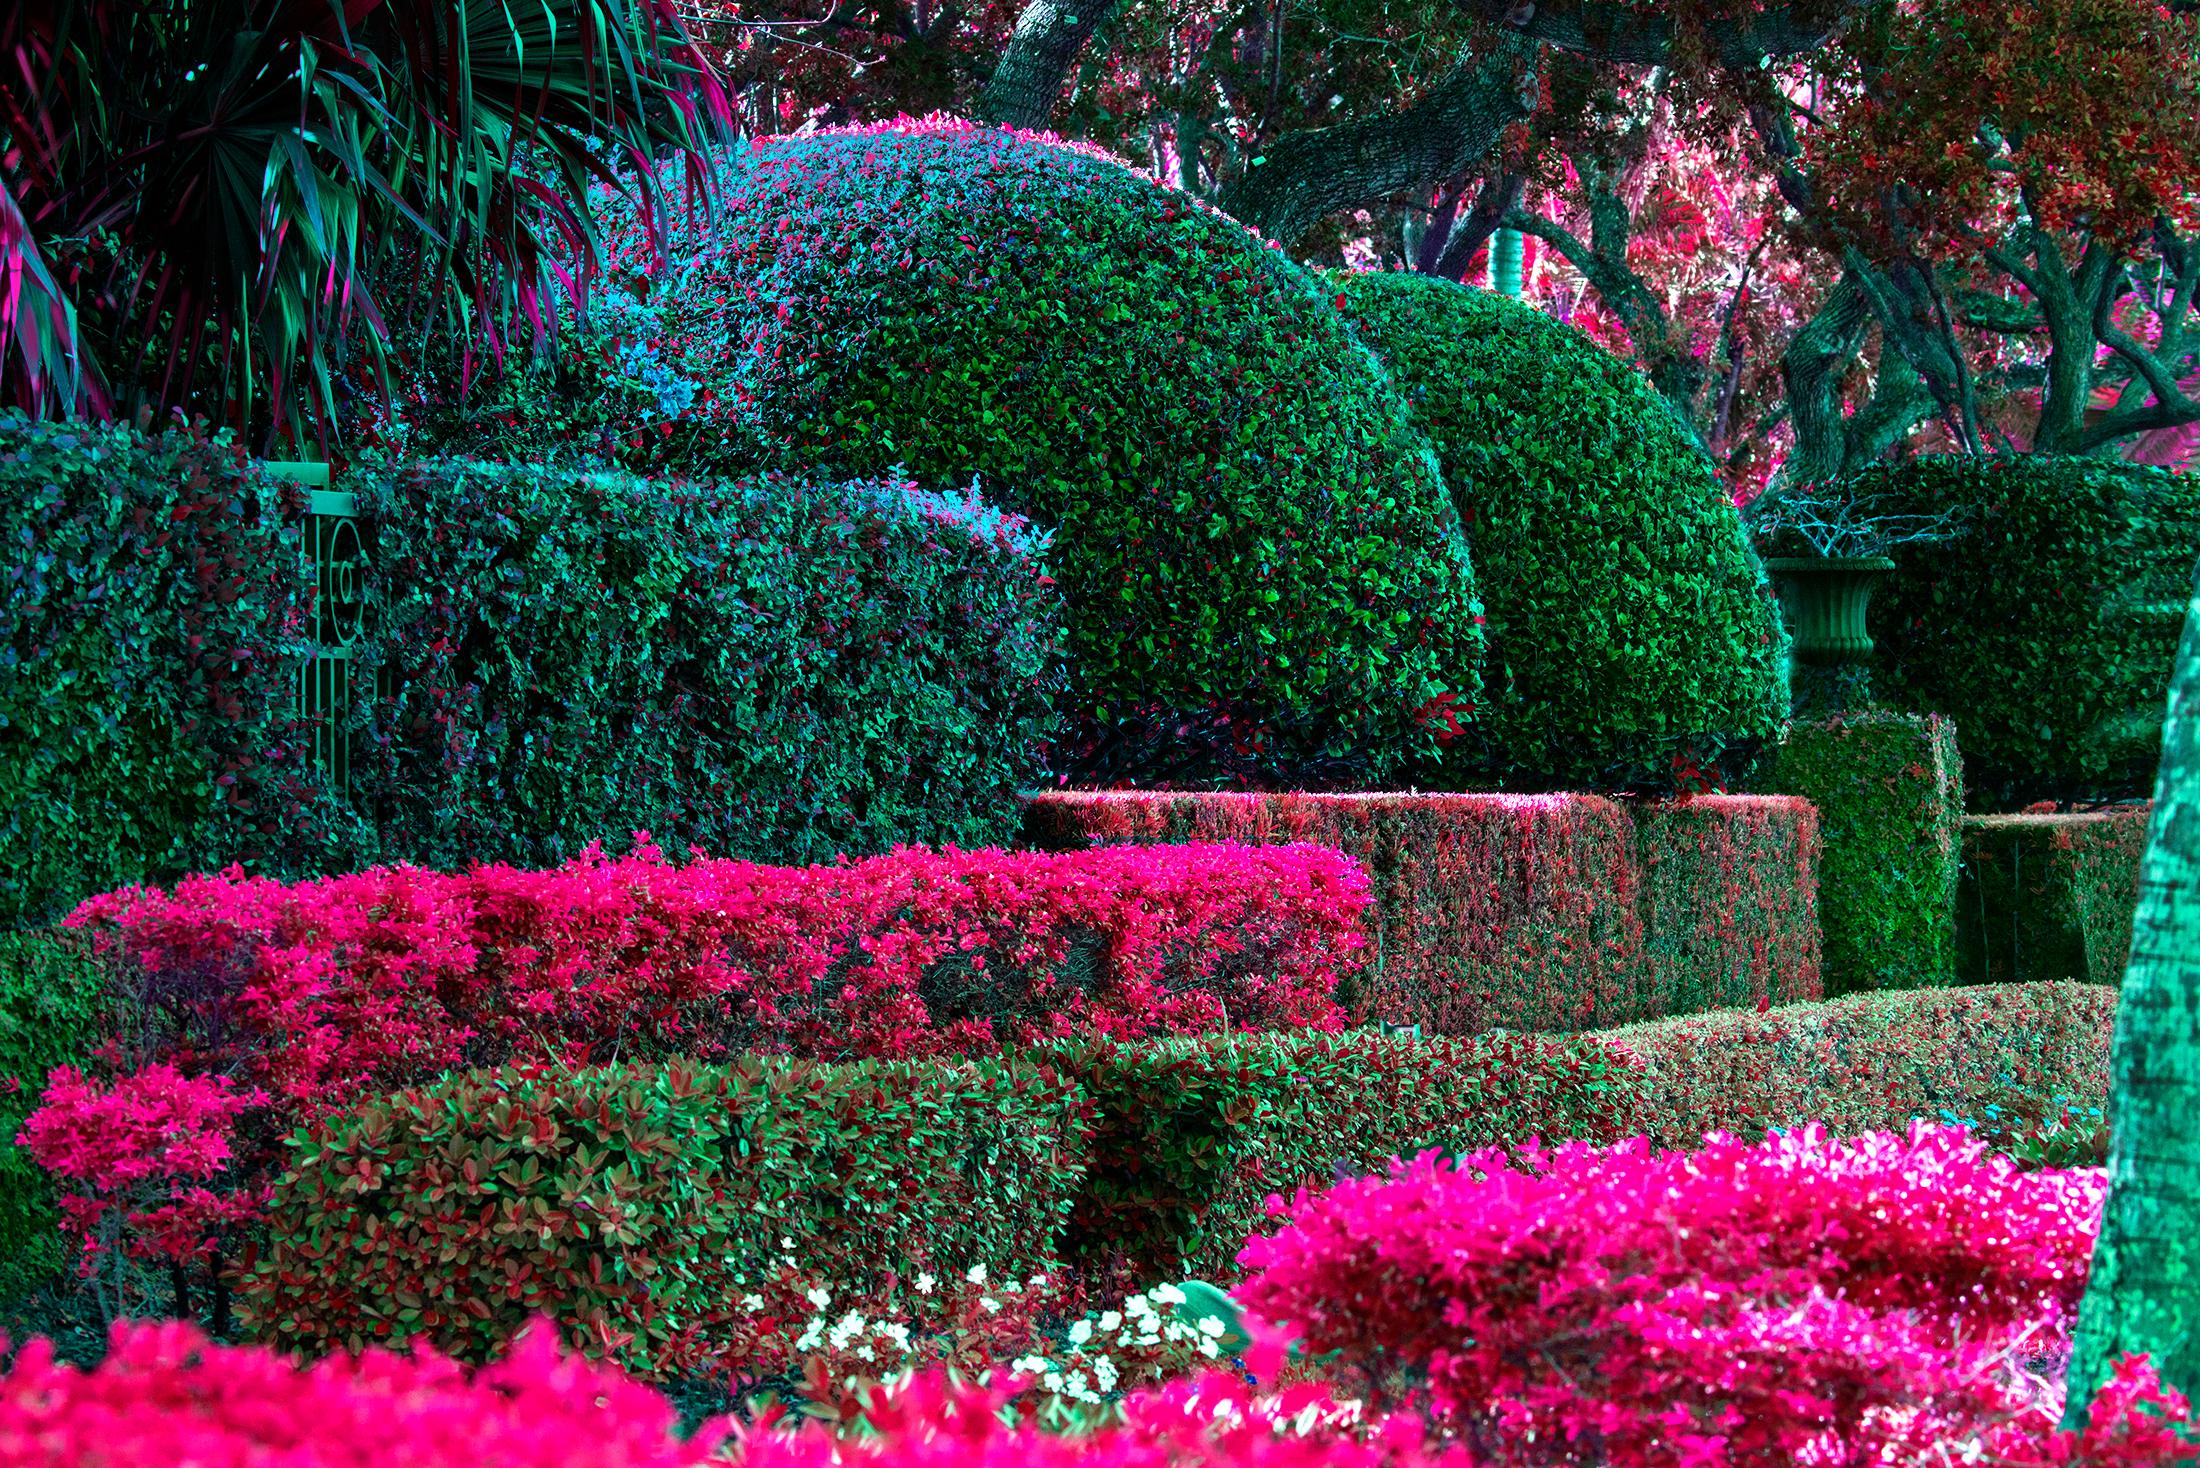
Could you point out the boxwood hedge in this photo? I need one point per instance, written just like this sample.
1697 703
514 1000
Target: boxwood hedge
2048 625
1631 631
1264 576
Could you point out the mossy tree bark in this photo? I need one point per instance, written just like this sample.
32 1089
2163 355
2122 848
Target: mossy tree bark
2144 1294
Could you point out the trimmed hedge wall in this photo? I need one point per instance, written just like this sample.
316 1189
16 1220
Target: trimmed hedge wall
1264 575
1889 793
149 658
1870 1061
649 1202
53 1010
773 668
1190 1137
2048 629
1631 629
1521 912
2050 897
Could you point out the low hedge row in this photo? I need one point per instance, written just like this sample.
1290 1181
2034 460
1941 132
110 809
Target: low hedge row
2049 896
661 1215
1870 1061
1548 913
1889 793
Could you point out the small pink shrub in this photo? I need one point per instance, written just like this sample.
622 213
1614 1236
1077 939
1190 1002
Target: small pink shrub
1739 1304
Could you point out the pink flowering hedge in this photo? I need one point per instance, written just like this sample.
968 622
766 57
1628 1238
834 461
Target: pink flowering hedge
2012 1058
1797 1300
1526 912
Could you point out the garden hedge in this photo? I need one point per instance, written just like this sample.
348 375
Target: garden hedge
2050 896
2048 627
149 662
1889 793
53 1010
1191 1136
1632 635
776 668
641 1206
1522 912
1264 574
1871 1061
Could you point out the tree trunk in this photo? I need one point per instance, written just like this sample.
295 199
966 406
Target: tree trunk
1029 79
2144 1293
1306 176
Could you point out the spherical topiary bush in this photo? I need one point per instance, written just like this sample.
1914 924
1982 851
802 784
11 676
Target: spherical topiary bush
1263 574
2046 625
1631 632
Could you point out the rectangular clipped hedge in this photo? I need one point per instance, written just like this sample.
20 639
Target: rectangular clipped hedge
642 1206
1869 1061
1553 913
1889 793
2049 897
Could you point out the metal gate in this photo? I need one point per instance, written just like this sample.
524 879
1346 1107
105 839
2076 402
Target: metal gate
335 566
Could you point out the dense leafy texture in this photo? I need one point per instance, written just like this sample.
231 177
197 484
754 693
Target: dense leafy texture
656 1213
1889 793
2047 628
1525 912
1191 1136
2024 1052
776 668
1631 632
149 656
53 1010
1255 544
2048 897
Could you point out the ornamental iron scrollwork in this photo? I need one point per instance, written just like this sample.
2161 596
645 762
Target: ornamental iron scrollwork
335 565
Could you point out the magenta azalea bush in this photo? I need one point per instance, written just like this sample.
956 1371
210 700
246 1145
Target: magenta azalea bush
1796 1300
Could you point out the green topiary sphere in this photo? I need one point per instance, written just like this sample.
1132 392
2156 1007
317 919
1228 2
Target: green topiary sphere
2047 625
1631 631
1264 577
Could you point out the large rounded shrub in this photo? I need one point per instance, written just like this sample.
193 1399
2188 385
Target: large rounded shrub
1264 577
2047 624
1630 627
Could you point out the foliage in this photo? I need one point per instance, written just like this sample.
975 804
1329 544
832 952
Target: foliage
2050 897
219 202
656 1213
150 641
1730 901
1191 1136
2046 630
343 987
1889 793
784 669
1247 524
1876 1061
1630 626
1735 1304
1521 912
52 1011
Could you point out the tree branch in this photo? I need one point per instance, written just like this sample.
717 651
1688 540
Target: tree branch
1606 30
1029 79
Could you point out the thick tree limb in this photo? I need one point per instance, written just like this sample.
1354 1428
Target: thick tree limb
1306 176
1032 71
1499 196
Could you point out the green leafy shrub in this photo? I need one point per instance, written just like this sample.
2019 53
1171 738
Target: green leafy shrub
1889 792
641 1207
149 661
1263 573
1871 1062
1520 912
1190 1137
1631 630
53 1010
1729 901
2049 897
2047 628
776 668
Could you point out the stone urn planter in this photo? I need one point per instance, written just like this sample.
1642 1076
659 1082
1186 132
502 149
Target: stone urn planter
1824 600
